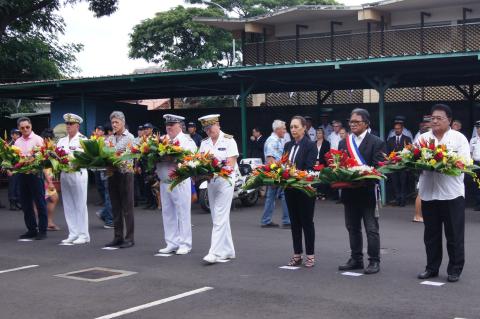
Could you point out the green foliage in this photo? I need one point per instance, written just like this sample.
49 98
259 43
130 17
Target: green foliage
250 8
175 40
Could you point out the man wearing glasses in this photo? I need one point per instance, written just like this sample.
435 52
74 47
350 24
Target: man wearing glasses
334 137
360 202
443 200
31 185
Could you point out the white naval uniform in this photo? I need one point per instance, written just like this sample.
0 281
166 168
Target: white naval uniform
176 204
220 194
74 192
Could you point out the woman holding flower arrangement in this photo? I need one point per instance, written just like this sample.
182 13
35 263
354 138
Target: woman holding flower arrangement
74 185
360 202
443 198
220 190
302 152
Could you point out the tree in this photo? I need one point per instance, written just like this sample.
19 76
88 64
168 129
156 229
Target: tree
250 8
175 40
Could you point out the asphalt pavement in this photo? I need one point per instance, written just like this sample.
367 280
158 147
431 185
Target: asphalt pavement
250 286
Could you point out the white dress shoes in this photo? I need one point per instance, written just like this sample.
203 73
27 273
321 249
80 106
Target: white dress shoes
167 250
69 240
80 241
210 258
182 251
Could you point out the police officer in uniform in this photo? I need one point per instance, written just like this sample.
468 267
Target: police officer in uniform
220 191
176 204
74 186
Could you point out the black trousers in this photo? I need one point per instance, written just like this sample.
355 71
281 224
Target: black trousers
32 191
14 188
300 210
120 187
451 215
399 181
354 214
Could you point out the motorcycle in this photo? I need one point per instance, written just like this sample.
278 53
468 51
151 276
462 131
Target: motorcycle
247 198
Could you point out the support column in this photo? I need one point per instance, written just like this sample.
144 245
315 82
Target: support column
84 114
332 39
464 27
422 25
244 42
244 92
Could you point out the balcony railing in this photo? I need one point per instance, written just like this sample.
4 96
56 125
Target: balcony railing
410 41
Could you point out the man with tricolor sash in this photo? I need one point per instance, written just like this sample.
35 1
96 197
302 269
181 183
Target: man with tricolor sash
361 202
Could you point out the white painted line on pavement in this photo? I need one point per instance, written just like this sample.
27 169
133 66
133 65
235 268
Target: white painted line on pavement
16 269
65 244
154 303
25 240
110 248
432 283
289 267
163 255
353 274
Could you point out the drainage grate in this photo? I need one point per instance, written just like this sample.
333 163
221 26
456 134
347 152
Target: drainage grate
96 274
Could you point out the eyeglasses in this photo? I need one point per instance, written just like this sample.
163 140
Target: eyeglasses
438 118
70 123
352 123
25 127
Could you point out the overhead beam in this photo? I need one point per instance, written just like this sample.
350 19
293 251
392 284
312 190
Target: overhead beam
251 27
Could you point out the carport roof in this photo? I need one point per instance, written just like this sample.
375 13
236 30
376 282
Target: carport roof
453 68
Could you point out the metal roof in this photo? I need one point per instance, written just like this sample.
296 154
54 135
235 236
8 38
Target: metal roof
411 71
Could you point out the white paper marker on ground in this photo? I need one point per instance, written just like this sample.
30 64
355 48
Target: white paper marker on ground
353 274
289 267
65 244
25 240
432 283
110 248
163 255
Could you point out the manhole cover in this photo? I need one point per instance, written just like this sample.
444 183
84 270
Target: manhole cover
96 274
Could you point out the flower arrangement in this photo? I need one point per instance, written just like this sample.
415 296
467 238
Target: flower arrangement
282 174
199 164
96 154
155 149
45 156
343 171
430 157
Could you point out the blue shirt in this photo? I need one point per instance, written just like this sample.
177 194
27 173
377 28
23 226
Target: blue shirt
273 147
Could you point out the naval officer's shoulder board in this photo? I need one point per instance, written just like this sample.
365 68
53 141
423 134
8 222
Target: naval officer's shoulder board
228 135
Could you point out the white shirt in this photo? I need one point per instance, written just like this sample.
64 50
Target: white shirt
286 138
436 186
224 148
185 142
312 133
334 139
359 139
475 148
328 129
71 144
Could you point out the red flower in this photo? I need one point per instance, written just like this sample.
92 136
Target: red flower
286 175
350 162
438 156
310 178
267 168
64 160
177 143
431 146
416 153
318 167
215 162
381 164
460 164
18 165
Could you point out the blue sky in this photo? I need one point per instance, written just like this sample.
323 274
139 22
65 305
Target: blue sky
106 39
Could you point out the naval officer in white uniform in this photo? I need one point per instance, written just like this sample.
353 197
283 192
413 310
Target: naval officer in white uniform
74 186
176 204
220 191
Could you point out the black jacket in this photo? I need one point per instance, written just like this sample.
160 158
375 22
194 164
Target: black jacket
372 150
392 143
306 154
323 150
256 148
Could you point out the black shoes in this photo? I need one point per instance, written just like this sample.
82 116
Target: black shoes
269 225
41 236
114 243
427 274
372 268
351 265
127 244
29 235
453 278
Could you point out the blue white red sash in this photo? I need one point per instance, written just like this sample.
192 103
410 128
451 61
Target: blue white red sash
353 150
